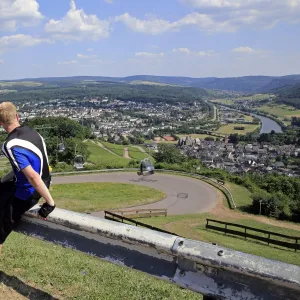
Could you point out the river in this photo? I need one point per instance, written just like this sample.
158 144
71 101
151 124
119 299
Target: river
268 125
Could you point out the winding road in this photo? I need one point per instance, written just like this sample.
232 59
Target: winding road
184 195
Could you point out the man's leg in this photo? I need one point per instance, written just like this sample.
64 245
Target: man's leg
6 195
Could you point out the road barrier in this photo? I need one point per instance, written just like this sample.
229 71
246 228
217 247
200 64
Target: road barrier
269 238
142 213
213 182
119 218
212 270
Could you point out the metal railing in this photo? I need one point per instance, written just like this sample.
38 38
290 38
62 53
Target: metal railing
269 238
119 218
142 213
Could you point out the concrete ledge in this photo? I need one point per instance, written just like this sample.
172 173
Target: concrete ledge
208 269
109 229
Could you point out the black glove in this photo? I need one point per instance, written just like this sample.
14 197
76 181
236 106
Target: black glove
46 210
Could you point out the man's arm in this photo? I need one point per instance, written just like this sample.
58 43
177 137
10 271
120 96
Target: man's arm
36 181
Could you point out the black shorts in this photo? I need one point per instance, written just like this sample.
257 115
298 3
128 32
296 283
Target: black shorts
11 209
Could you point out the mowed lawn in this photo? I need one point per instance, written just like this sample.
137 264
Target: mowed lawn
193 226
104 158
240 194
134 152
40 270
92 197
229 128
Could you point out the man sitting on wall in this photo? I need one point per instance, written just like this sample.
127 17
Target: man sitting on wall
30 179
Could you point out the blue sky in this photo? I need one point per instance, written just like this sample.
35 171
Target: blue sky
197 38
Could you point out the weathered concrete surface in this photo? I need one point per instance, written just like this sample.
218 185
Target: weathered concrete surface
208 269
201 197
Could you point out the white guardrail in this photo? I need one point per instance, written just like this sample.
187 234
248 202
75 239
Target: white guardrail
212 270
201 177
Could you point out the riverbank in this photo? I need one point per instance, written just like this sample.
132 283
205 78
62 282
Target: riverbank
267 124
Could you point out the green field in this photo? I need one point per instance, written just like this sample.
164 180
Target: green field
134 153
281 111
103 158
92 197
257 97
193 226
229 128
20 83
223 101
241 195
117 149
38 270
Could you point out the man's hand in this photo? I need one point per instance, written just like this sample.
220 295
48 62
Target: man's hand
46 210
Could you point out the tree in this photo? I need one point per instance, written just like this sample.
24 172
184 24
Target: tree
169 154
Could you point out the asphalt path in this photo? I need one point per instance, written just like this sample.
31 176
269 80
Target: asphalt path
184 195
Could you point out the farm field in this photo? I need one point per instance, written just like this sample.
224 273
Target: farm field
229 128
281 111
223 101
20 83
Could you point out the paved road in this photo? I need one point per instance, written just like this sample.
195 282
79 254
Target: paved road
184 195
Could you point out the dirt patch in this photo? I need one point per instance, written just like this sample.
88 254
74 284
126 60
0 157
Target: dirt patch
126 153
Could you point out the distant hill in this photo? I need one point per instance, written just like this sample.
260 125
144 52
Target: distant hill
253 84
289 95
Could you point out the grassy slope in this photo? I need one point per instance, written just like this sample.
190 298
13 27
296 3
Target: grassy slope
104 158
118 149
68 274
241 195
89 197
193 226
134 152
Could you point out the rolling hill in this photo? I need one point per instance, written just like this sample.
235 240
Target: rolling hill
251 84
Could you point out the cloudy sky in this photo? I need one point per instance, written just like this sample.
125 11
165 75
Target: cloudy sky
197 38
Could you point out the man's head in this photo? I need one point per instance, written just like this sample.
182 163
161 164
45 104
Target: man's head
8 116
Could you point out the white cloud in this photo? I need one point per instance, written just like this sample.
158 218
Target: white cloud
109 1
182 50
190 52
151 26
206 53
158 26
77 25
253 13
19 41
14 13
149 54
83 56
71 62
244 49
90 50
1 61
